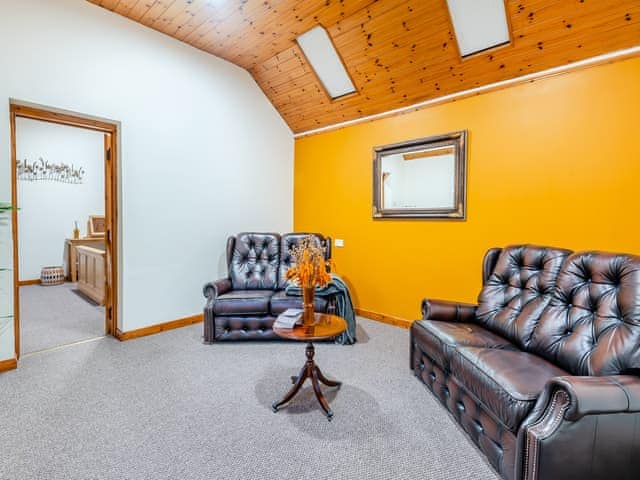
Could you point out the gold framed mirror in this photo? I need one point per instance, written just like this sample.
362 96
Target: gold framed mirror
421 178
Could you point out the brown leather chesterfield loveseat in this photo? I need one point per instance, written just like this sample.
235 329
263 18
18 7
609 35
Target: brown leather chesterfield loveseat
543 372
244 305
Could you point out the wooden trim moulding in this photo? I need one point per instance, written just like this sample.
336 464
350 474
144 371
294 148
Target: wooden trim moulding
436 152
25 283
61 117
14 236
159 327
383 318
20 109
10 364
611 57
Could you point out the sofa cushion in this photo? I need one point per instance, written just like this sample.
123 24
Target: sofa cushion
506 382
438 339
254 261
245 328
243 302
518 290
592 324
280 301
287 242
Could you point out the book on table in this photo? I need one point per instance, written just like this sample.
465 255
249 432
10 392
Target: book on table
289 318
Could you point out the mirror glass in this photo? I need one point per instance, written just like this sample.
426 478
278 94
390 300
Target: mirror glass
421 178
404 174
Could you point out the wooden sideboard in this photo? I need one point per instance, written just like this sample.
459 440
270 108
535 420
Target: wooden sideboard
71 245
91 268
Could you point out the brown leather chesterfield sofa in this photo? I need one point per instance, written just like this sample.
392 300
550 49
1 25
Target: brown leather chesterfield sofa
244 305
543 372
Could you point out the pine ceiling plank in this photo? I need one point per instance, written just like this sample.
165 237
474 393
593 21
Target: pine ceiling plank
213 26
179 20
163 22
108 4
351 111
274 61
141 8
385 52
240 20
392 26
222 34
275 31
351 49
568 16
194 20
124 7
155 12
538 12
397 52
469 81
296 62
379 9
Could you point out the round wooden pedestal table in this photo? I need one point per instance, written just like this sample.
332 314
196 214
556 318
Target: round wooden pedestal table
324 327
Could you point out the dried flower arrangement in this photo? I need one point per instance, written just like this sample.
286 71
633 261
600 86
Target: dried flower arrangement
309 265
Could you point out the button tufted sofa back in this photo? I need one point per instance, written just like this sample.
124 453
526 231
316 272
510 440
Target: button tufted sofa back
592 324
290 240
518 290
253 260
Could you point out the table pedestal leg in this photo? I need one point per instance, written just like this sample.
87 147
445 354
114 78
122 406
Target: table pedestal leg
312 372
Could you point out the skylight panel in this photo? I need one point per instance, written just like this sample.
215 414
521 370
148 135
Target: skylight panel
326 62
479 24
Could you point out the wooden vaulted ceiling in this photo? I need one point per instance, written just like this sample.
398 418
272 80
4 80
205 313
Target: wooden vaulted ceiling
398 52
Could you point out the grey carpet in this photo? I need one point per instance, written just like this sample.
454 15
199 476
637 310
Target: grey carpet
169 407
56 315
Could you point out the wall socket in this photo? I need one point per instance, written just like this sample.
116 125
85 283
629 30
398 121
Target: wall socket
339 242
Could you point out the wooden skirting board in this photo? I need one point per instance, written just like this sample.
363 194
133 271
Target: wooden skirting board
6 365
25 283
159 327
381 317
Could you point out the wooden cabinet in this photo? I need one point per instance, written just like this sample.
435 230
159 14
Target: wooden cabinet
91 268
71 245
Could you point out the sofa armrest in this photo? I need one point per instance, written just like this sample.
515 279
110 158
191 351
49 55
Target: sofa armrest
448 311
212 290
598 395
590 418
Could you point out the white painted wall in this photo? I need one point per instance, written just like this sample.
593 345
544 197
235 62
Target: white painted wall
48 209
203 152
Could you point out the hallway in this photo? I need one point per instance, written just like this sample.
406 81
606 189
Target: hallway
57 315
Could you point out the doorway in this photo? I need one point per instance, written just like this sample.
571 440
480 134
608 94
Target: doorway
89 263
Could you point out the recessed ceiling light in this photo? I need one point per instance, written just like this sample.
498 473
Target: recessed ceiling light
326 62
479 24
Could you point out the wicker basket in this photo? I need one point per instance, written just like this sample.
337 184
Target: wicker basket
51 276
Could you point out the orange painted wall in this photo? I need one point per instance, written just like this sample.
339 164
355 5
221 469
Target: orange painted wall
555 162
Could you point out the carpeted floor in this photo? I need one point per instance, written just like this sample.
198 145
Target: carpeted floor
56 315
169 407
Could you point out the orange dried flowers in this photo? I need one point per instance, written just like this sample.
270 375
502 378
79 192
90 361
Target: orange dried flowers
310 266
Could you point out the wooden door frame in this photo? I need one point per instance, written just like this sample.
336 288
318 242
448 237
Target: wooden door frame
111 129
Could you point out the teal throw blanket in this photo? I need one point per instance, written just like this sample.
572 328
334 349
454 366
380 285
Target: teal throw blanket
344 307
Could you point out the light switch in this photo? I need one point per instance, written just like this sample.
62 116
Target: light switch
339 242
